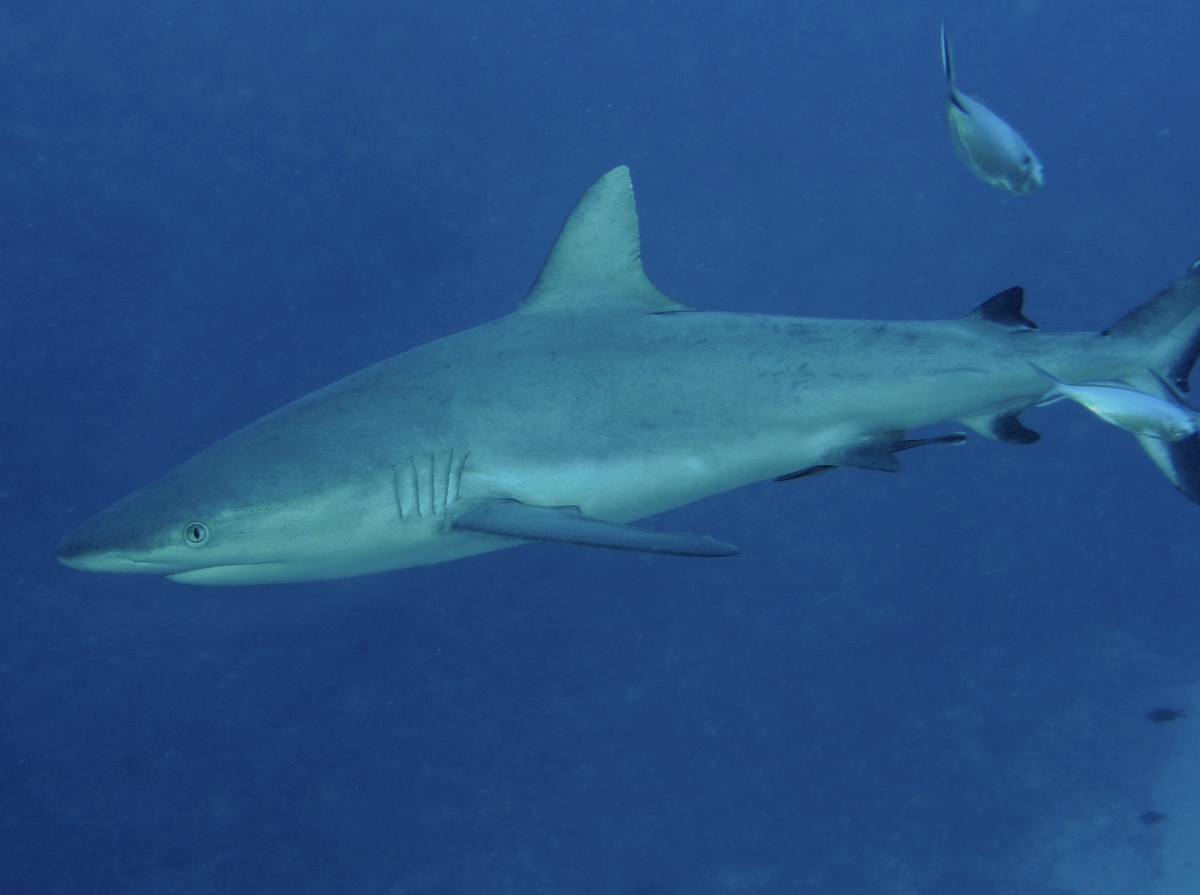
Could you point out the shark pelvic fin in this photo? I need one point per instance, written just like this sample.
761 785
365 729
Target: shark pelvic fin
566 525
871 455
1004 309
596 262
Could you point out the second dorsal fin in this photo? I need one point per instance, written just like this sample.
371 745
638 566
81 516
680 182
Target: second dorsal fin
1004 309
596 262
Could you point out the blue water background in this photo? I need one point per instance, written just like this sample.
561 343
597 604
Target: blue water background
905 683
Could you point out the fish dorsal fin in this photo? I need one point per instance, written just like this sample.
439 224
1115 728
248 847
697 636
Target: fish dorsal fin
1004 309
947 62
596 262
1151 382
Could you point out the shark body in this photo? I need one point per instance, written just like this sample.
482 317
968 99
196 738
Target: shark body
599 402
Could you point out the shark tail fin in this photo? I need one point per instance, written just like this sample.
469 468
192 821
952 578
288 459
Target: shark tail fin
1179 462
1169 326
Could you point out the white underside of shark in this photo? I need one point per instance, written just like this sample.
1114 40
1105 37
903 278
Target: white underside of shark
597 403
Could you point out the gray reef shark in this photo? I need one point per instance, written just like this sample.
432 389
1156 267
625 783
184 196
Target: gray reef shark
598 402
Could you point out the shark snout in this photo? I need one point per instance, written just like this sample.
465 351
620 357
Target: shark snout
101 545
106 562
80 551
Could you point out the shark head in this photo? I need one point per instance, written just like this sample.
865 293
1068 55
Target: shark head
235 514
126 538
164 530
180 545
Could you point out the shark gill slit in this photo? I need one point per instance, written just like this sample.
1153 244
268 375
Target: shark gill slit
458 461
428 484
424 467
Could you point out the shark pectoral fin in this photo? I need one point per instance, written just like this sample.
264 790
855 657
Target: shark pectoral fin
1003 427
879 453
566 525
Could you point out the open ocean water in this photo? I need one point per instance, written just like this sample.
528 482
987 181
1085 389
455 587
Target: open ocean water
928 683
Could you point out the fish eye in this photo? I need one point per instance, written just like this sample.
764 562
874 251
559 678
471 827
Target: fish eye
195 534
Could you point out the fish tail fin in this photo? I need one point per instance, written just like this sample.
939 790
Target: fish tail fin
1054 386
1050 378
1169 327
947 63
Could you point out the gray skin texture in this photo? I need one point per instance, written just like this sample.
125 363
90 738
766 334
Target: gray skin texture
598 393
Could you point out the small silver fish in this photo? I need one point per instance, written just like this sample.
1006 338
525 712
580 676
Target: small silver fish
985 142
1125 406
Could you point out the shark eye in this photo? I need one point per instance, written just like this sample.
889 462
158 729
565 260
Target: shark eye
195 534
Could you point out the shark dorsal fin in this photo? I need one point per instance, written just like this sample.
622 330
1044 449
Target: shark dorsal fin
596 262
1004 309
